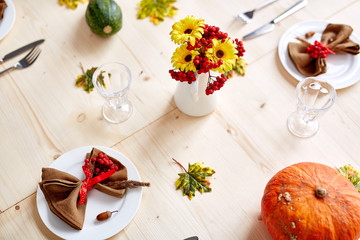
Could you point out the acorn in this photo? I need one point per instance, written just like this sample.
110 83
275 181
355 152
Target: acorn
104 215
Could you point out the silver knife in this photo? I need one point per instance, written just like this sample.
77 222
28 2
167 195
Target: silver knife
21 50
271 25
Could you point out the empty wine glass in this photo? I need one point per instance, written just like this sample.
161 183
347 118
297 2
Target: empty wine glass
112 81
314 96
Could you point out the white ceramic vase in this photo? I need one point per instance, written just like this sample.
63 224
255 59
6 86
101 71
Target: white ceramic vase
191 98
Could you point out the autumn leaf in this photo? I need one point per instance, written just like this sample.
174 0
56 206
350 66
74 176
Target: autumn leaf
350 173
238 68
85 80
71 3
157 10
194 179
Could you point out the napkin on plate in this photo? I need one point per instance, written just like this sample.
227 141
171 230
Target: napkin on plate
3 5
61 190
335 37
120 175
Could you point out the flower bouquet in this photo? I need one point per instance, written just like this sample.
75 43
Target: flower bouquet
204 48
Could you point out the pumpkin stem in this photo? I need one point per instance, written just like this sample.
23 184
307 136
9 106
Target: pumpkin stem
320 192
107 29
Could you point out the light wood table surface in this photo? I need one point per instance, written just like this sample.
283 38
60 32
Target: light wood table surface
246 140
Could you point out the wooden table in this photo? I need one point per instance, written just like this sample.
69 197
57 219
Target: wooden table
43 115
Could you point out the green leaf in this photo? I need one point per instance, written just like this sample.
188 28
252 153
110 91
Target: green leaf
194 179
100 78
85 80
71 3
157 10
350 173
355 179
238 68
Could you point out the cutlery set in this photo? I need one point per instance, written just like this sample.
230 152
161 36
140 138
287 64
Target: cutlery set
247 16
27 60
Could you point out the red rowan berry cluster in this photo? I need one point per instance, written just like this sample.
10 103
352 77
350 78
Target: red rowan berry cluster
318 49
182 76
203 65
102 164
239 47
214 85
211 32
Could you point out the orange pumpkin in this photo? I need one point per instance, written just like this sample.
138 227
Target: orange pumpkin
311 201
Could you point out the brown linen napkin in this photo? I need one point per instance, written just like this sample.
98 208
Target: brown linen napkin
335 37
120 175
3 5
61 190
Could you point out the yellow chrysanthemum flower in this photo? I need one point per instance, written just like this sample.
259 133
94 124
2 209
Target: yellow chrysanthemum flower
188 28
226 51
183 59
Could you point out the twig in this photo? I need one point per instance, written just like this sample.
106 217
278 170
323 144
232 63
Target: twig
180 165
127 184
82 68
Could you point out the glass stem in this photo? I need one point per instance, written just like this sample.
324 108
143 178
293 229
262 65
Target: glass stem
305 114
115 102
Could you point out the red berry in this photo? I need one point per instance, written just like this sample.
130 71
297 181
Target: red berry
318 49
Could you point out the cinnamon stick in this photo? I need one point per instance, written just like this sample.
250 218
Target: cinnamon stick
127 184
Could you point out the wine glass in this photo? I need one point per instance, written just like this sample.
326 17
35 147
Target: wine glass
314 96
112 81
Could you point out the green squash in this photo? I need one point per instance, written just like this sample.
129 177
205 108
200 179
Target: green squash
104 17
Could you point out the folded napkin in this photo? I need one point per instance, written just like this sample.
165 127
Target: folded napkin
3 5
118 176
62 191
335 37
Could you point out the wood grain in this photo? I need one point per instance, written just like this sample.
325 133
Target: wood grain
246 141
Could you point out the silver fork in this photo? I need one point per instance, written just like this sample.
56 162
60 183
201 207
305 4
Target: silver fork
26 61
247 16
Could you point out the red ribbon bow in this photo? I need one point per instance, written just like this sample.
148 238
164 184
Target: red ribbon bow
88 182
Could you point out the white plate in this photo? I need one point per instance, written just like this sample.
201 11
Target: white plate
343 70
98 202
8 20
